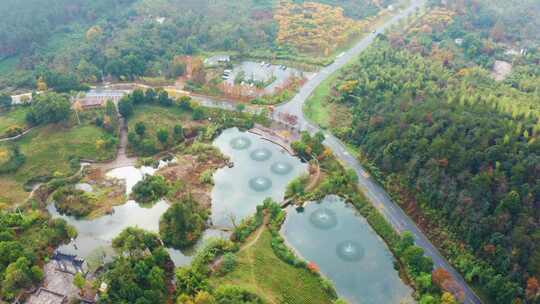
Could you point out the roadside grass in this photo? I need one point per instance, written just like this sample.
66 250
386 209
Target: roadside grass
262 272
319 110
12 117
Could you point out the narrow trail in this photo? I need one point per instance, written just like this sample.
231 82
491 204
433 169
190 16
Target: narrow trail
258 232
121 159
251 259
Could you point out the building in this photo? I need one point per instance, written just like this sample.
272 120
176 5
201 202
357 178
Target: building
217 59
58 285
98 98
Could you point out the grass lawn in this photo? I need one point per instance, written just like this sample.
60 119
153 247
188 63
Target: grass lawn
48 150
13 117
261 272
156 117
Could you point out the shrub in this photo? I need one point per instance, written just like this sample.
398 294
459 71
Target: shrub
207 177
228 264
227 294
14 131
11 159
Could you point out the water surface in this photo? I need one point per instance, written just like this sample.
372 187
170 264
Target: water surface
261 169
347 250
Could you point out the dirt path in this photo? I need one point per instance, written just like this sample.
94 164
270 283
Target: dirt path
16 136
121 160
258 234
251 260
314 179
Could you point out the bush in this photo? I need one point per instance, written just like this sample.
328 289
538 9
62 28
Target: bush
228 264
227 294
207 177
11 159
14 131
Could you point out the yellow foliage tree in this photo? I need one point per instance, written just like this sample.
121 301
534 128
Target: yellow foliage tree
314 27
93 33
41 85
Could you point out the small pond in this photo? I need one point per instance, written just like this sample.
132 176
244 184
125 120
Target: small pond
261 169
347 250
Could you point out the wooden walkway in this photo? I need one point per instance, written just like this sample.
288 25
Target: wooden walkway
273 137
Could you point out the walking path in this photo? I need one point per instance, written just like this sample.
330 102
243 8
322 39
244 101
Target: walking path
122 159
16 136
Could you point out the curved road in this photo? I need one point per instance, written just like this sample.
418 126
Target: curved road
378 197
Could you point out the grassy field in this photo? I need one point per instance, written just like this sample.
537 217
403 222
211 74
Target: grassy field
261 272
48 150
13 117
156 117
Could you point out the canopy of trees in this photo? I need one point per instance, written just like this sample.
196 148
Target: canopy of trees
141 272
81 41
183 223
456 155
25 241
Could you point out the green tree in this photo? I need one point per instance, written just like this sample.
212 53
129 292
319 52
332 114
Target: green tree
5 100
178 133
79 281
49 108
140 128
138 96
163 99
150 189
125 106
163 136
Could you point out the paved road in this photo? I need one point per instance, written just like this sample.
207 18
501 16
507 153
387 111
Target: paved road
380 199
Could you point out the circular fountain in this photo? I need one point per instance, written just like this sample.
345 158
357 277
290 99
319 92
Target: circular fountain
281 168
350 251
261 154
324 219
260 183
240 143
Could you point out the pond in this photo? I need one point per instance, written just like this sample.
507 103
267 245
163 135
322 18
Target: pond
347 251
261 169
95 236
